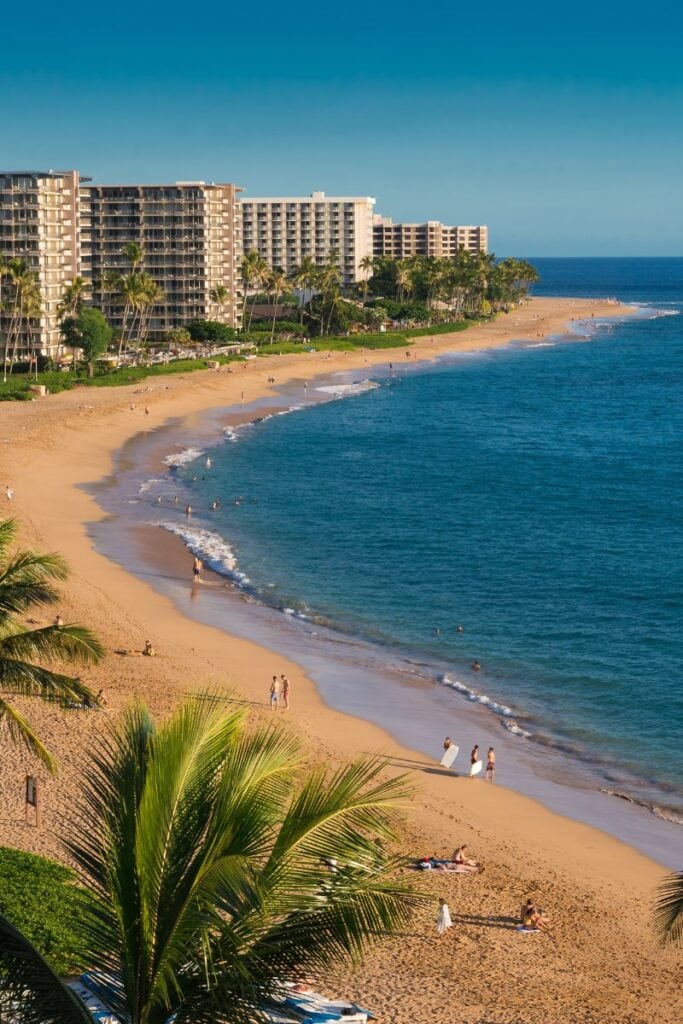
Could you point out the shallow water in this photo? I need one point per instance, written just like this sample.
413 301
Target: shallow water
529 494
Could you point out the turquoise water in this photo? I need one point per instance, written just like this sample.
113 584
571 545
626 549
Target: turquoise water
531 495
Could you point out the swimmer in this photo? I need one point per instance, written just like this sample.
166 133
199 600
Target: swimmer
208 463
460 629
214 505
188 511
158 499
475 666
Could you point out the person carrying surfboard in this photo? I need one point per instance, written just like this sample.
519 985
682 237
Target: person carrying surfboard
451 751
475 761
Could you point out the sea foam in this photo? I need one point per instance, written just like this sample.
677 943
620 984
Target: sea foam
213 550
476 697
182 458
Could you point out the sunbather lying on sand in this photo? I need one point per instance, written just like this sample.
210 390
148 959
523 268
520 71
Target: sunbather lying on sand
465 863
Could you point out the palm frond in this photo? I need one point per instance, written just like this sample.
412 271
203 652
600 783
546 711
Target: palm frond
30 991
73 644
8 531
21 731
25 580
668 914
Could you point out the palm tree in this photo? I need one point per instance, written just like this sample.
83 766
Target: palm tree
250 268
669 909
24 283
71 304
219 295
277 282
3 274
304 277
135 254
259 271
151 294
26 580
203 852
367 265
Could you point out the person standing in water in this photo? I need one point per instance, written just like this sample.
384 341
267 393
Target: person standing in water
197 570
491 764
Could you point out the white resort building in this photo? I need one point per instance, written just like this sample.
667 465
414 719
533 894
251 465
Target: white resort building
286 228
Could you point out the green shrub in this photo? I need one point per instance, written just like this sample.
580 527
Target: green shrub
37 895
212 331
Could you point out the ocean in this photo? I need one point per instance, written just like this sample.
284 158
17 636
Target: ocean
530 495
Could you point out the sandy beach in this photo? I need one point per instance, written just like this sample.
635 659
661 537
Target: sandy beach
601 963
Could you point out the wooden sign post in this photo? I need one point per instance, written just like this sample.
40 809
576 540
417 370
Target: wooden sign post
32 799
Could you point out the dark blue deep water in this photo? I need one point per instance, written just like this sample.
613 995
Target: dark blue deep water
532 495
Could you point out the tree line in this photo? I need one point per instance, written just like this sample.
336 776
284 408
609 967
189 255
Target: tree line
417 291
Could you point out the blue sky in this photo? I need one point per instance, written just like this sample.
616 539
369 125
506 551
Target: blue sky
558 126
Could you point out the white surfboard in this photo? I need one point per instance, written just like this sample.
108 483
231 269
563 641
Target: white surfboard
476 768
450 756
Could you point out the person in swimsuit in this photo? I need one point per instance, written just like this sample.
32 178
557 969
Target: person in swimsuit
490 764
474 756
448 742
197 570
285 691
274 693
463 862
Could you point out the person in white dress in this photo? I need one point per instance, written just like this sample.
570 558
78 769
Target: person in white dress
443 919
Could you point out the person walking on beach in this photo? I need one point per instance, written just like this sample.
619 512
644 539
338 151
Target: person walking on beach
491 764
474 760
285 691
274 693
443 918
197 570
9 493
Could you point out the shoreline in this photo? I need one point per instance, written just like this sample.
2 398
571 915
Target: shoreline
52 449
339 661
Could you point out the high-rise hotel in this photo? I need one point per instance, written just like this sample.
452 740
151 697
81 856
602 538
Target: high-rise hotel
284 229
63 226
189 233
192 235
40 225
432 238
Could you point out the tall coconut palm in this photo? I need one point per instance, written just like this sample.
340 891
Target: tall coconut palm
260 272
27 580
304 277
23 282
277 282
151 295
203 852
3 274
669 909
219 296
72 301
367 265
249 270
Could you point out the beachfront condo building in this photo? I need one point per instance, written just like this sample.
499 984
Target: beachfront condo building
40 227
429 239
190 236
285 229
